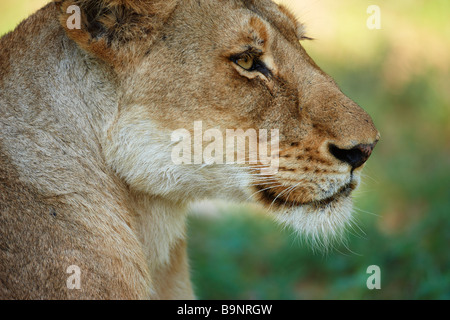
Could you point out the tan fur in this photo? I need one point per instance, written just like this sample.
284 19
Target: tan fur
86 176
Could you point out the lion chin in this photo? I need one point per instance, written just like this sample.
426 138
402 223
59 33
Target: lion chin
321 226
321 223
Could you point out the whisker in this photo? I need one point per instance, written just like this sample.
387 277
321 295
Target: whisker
292 190
270 207
366 176
272 187
368 212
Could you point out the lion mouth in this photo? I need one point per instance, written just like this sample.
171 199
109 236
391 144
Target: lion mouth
343 192
272 198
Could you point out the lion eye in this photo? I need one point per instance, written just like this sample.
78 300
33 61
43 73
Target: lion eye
245 63
250 62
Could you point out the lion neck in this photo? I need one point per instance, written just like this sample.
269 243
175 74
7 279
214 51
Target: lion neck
161 228
83 95
159 224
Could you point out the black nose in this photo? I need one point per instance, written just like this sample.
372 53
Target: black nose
355 156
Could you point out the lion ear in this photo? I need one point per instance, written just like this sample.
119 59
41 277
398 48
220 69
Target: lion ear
102 27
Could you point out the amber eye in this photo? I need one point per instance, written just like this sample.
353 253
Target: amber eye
246 63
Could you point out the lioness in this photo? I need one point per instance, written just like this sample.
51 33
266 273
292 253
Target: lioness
87 179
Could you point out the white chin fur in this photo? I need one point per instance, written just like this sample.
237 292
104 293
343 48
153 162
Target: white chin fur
322 227
141 156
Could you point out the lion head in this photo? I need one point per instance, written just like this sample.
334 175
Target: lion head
229 64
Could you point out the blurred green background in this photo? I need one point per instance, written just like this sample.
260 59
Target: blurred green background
400 75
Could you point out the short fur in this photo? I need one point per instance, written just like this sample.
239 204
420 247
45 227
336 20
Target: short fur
86 176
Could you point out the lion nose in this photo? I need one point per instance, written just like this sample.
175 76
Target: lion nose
355 156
